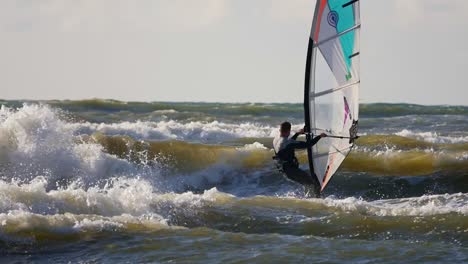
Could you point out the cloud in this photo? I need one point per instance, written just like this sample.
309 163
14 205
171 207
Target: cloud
110 15
400 12
431 12
292 10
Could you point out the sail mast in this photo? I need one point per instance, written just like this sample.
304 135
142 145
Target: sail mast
310 62
309 81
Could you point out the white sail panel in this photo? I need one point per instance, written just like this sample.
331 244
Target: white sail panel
333 84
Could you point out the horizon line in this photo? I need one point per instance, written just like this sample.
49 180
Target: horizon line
215 102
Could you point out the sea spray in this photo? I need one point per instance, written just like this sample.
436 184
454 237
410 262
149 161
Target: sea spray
146 180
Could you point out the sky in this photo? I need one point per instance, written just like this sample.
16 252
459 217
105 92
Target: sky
412 51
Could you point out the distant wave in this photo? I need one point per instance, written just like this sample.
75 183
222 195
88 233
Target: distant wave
432 137
36 135
386 109
66 179
214 131
384 161
252 109
219 132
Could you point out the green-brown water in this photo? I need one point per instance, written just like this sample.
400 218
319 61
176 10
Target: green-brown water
106 181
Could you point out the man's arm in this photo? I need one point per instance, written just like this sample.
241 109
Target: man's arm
304 145
295 136
296 145
315 140
300 132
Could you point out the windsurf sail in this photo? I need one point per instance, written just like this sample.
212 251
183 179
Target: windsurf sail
331 94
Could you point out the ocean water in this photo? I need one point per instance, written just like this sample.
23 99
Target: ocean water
102 181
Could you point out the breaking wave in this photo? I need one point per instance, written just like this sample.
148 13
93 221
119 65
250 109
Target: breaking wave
243 109
62 179
29 212
36 135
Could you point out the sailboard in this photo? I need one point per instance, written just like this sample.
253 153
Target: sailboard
331 92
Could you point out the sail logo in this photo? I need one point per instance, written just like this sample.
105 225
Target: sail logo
348 76
333 18
346 110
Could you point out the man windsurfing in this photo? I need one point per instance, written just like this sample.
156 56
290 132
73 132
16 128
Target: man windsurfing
285 147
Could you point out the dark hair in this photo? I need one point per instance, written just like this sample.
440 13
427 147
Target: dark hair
285 126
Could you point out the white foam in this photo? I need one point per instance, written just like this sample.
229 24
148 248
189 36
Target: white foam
462 157
165 111
173 130
121 204
20 225
418 206
432 137
104 192
34 122
253 146
35 141
214 131
133 196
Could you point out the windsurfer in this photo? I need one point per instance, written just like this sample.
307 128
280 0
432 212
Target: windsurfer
285 146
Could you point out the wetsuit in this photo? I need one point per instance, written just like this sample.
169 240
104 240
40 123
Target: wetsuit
284 148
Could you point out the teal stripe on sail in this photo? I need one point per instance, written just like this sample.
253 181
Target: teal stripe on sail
345 21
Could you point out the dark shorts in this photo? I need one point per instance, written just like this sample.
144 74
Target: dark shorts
311 185
294 173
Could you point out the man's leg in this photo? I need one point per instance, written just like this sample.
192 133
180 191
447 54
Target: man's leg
296 174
